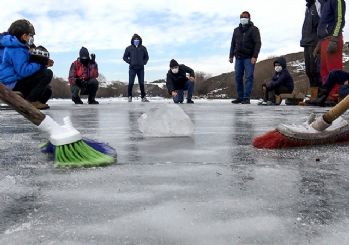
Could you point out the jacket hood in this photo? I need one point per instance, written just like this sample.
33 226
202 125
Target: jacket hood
281 61
10 41
138 37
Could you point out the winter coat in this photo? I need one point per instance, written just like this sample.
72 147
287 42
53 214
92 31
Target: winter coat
332 18
81 72
15 63
246 42
281 78
136 57
310 25
177 81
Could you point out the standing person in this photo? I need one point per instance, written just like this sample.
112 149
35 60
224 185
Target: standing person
332 20
180 78
136 55
245 47
83 75
20 74
309 42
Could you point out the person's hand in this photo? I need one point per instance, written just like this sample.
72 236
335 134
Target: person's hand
231 60
253 60
50 63
83 83
332 45
174 93
346 82
93 58
316 50
192 79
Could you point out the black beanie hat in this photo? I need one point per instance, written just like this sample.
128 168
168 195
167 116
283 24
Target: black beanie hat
173 63
84 54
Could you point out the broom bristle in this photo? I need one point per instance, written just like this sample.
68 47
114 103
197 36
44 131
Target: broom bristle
274 139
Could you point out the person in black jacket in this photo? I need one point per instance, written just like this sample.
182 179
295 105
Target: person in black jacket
180 78
309 42
136 55
245 47
281 82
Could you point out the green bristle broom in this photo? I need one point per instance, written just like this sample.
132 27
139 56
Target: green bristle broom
66 143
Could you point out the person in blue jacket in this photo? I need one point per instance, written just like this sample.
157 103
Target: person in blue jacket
281 82
17 72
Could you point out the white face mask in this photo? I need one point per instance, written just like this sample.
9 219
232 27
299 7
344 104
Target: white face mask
244 21
278 68
175 70
30 41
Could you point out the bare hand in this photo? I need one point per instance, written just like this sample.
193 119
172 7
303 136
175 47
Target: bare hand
346 82
192 79
253 60
231 60
174 93
50 63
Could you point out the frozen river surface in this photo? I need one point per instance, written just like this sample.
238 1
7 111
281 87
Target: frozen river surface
210 189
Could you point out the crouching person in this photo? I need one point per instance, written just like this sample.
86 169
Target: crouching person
180 78
83 77
18 72
281 82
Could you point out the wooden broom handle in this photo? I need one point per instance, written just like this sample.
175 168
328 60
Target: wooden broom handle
21 105
337 111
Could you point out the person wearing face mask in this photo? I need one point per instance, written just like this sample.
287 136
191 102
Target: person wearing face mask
180 78
245 47
17 71
136 55
82 78
309 42
281 82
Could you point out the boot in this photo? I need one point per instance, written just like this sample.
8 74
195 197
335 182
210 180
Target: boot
321 98
313 95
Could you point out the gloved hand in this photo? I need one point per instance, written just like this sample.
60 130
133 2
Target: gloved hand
93 58
60 134
332 45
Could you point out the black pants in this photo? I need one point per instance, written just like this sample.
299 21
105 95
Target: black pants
89 88
36 87
312 67
131 80
269 93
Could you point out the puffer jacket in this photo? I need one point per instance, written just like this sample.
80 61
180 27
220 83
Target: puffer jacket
136 57
281 78
81 72
15 63
177 81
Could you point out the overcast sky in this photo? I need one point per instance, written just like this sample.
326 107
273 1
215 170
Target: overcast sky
196 33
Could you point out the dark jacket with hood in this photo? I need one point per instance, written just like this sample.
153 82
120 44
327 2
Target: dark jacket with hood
332 18
282 78
136 57
246 42
177 81
310 25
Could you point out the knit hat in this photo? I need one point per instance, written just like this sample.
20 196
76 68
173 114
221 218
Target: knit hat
173 63
84 54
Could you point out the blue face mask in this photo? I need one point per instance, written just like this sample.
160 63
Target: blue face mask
136 42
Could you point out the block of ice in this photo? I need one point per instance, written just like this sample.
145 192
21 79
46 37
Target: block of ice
166 121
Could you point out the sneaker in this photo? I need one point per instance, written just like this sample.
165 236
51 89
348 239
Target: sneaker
40 106
144 99
77 100
93 102
245 101
129 99
189 101
236 101
260 102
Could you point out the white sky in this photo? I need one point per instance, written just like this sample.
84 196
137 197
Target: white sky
196 33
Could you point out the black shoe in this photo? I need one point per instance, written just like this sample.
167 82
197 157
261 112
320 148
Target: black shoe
77 100
236 101
93 102
245 101
189 101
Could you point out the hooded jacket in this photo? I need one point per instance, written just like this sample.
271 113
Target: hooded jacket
246 42
332 18
177 81
136 57
310 25
281 78
15 63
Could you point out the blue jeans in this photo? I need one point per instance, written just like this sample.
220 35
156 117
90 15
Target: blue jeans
131 80
189 85
244 66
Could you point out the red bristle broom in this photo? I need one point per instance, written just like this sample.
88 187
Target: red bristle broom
69 149
326 129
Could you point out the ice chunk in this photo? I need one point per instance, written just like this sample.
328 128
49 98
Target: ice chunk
167 121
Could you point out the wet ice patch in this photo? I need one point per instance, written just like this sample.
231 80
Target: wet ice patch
167 121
